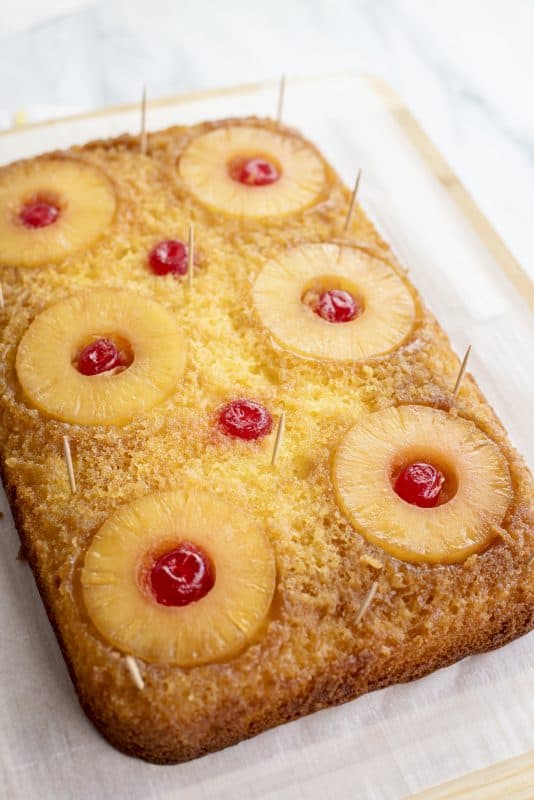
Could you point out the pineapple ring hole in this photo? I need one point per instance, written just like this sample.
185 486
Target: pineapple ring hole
414 455
150 558
45 196
325 283
124 348
235 164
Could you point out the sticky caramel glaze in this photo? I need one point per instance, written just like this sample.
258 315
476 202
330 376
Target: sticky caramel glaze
312 653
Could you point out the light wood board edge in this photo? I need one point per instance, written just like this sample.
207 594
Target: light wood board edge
177 99
451 183
512 779
502 775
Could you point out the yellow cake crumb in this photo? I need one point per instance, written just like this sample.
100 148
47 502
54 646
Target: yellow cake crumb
311 653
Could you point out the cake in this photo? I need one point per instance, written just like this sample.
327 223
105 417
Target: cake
203 584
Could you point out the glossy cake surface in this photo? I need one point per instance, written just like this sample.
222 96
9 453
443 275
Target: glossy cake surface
235 335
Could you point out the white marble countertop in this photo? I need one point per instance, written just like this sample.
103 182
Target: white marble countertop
463 66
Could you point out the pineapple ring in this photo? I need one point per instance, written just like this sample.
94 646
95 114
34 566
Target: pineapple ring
204 167
47 352
388 309
214 628
84 194
383 442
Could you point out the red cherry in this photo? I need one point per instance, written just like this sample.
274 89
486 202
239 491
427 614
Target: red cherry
182 576
99 356
38 214
168 256
420 484
245 419
336 305
254 172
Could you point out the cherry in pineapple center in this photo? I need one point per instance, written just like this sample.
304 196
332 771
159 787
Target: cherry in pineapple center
104 355
181 576
256 171
39 213
337 305
332 302
420 484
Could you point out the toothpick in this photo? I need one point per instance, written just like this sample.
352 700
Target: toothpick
281 97
70 467
352 200
461 374
367 600
1 296
143 137
190 255
133 669
278 437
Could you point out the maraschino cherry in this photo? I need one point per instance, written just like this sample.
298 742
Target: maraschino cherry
38 214
182 576
98 357
420 484
254 171
169 256
245 419
336 305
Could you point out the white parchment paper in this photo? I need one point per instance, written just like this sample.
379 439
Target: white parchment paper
390 743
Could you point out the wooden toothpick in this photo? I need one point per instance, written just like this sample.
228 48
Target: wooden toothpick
1 296
367 600
70 467
461 374
352 200
278 437
281 96
133 669
143 137
190 255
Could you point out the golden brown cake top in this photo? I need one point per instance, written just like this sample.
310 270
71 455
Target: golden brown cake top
244 339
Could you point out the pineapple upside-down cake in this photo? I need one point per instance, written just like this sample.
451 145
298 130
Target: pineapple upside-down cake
394 533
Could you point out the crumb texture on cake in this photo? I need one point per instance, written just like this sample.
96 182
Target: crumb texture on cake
313 650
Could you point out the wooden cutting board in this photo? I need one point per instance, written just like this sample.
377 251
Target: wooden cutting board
512 779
